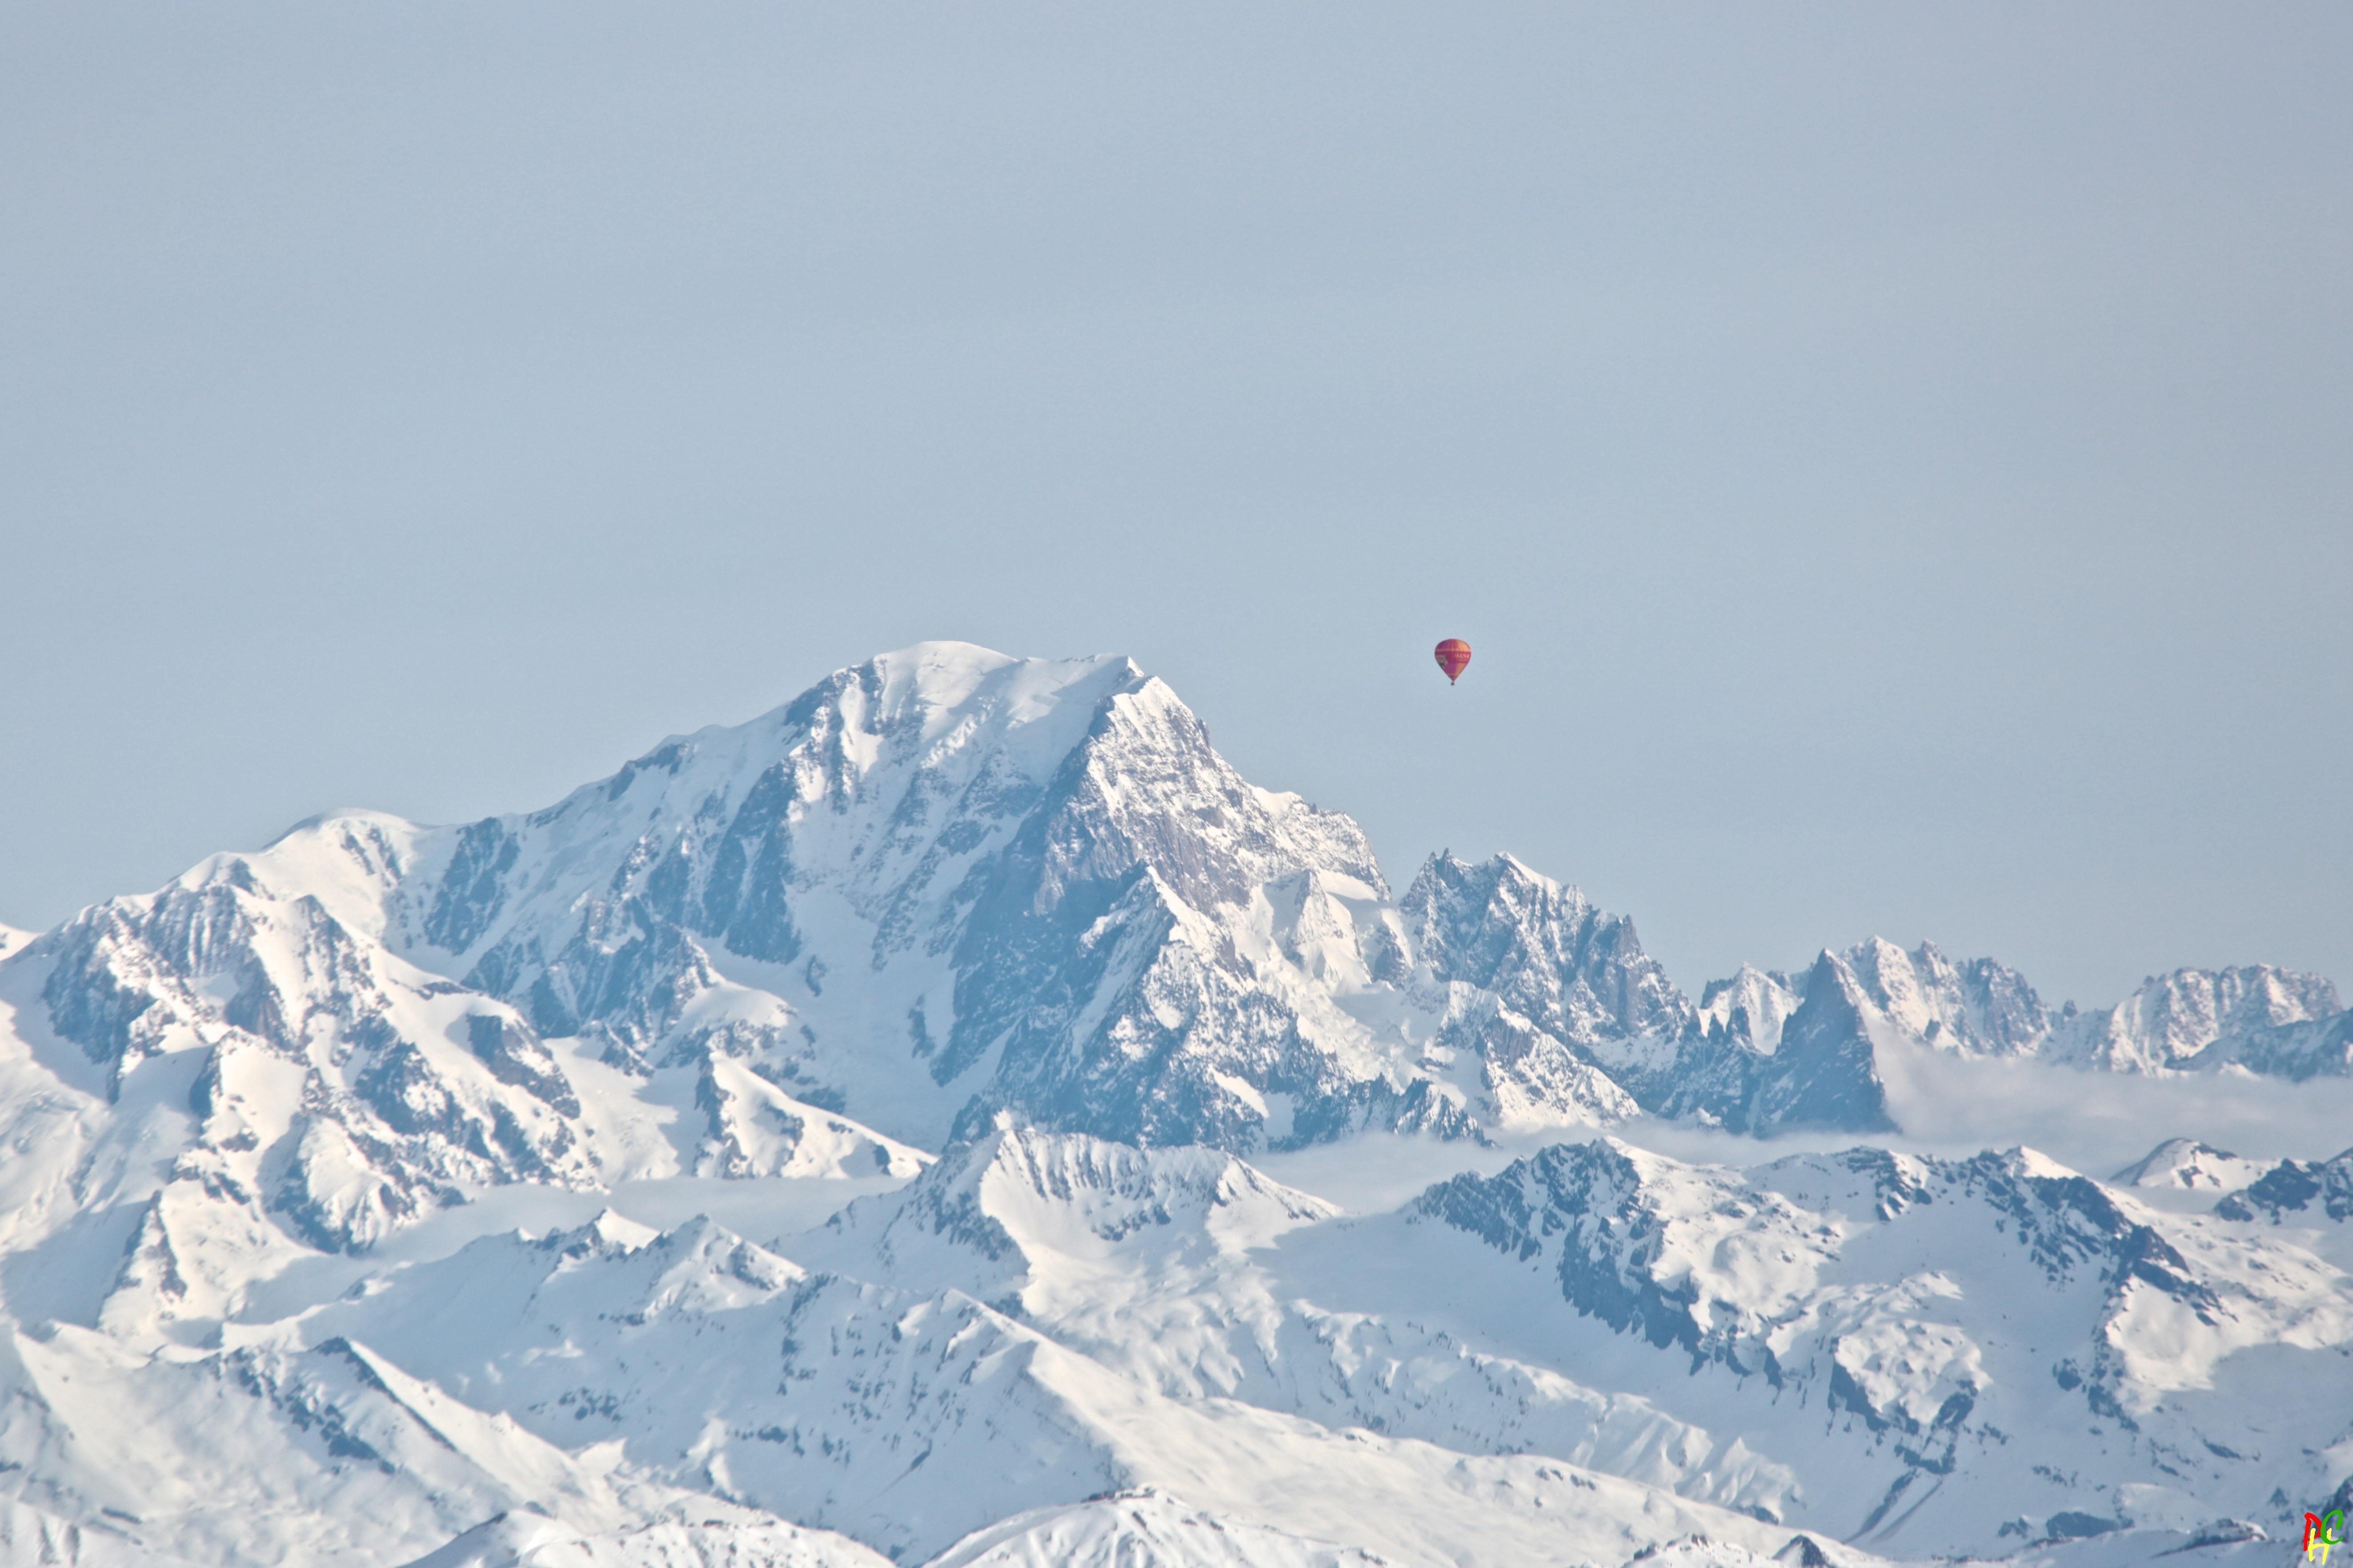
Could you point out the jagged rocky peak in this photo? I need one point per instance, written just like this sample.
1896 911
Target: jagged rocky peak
2258 1014
610 1269
1542 947
1548 1008
1768 1051
1975 1007
2306 1048
881 784
1750 1006
1771 1053
606 1234
850 786
2259 1018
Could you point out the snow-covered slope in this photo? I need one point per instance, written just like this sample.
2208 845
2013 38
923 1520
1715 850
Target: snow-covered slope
733 1539
2187 1164
461 1194
820 1396
1152 1262
30 1538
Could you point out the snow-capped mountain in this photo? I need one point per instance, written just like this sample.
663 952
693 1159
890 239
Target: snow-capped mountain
833 1139
2188 1164
1037 878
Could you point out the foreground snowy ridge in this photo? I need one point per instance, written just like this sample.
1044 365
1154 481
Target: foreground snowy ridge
830 1140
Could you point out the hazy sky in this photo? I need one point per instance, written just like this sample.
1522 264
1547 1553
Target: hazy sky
1894 463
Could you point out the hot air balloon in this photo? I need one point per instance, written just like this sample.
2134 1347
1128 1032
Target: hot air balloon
1453 657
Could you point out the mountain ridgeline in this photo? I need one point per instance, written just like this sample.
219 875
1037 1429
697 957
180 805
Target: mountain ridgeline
947 883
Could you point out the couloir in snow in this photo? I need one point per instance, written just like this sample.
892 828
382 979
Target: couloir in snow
956 1119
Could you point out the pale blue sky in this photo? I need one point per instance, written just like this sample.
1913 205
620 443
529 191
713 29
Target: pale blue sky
1894 463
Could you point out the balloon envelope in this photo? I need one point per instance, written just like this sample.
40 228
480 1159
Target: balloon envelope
1453 657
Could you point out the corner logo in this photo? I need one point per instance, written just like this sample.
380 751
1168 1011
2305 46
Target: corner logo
2321 1532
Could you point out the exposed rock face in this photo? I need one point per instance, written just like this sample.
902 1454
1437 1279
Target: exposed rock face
2306 1189
1975 1007
1542 950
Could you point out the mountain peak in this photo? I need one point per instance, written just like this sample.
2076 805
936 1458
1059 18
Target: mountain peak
946 681
2186 1162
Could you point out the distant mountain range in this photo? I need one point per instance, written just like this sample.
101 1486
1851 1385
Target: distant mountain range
1007 948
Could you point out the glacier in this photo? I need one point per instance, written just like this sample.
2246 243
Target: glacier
957 1119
